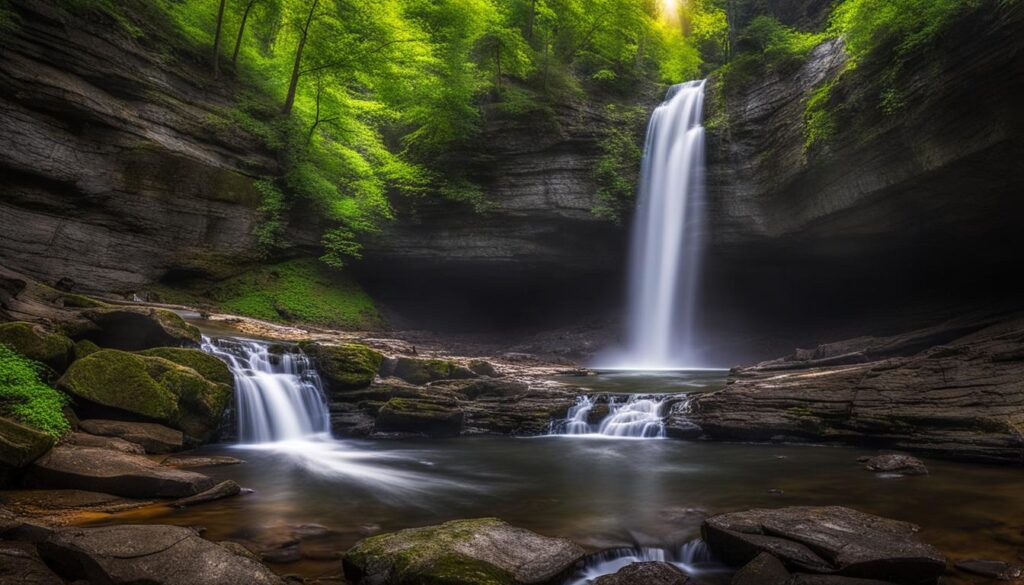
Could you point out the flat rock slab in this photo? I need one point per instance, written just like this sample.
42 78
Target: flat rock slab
991 569
826 540
36 502
157 555
224 489
154 438
20 565
112 443
648 573
483 551
180 461
113 472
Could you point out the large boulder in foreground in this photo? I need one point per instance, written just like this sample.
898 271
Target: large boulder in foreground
826 540
21 565
345 367
482 551
648 573
151 387
155 555
113 472
35 343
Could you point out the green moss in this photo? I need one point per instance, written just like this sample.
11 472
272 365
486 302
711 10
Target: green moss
346 366
123 380
84 348
205 364
427 555
35 343
819 119
26 399
421 371
618 169
81 302
296 291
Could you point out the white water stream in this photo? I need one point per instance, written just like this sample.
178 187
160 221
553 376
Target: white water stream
666 241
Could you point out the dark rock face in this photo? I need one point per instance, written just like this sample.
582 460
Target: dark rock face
960 397
649 573
92 161
830 540
162 555
483 551
112 472
21 565
874 219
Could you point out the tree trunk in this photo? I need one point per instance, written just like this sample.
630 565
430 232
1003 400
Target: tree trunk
241 30
296 68
497 67
529 21
216 38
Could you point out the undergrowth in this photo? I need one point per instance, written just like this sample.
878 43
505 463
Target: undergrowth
26 398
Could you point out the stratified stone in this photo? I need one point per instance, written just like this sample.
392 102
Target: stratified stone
112 443
827 540
152 437
112 472
157 555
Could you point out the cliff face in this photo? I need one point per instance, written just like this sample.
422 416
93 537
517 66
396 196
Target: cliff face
915 206
113 175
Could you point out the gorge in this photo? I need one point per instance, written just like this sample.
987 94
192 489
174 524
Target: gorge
403 292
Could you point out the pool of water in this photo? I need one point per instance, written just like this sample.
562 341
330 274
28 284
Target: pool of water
633 382
600 493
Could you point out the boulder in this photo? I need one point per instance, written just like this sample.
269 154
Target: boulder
155 555
20 445
151 387
647 573
765 569
826 540
992 569
112 443
435 418
21 565
206 365
482 551
83 348
896 463
483 368
136 328
420 371
35 343
224 489
344 367
152 437
112 472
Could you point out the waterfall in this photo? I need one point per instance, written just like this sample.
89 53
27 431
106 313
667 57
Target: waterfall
666 241
638 417
279 396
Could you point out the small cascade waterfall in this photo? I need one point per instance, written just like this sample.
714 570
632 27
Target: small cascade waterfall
666 245
694 558
638 417
279 396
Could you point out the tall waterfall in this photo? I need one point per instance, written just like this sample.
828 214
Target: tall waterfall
279 396
666 244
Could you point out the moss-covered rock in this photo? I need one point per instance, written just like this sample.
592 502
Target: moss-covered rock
151 387
421 371
208 366
21 445
436 418
135 328
84 348
35 343
345 367
484 551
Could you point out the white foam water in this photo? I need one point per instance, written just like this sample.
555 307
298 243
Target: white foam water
638 417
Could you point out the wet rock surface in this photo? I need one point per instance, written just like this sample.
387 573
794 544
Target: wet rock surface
153 438
113 472
828 540
484 551
20 565
161 555
1000 570
646 573
112 443
952 390
896 463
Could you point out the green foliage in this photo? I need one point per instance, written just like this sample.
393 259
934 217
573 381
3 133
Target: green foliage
780 46
618 169
25 398
903 24
819 119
